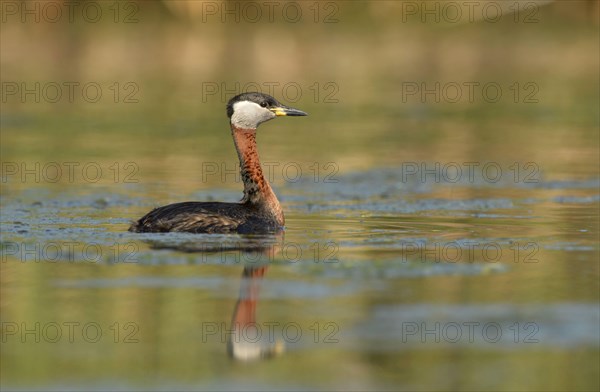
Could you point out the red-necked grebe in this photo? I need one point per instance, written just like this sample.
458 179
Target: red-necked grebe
259 210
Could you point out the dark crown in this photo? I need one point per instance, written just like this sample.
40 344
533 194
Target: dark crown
263 100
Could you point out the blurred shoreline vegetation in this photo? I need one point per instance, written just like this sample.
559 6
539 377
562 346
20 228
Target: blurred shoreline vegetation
369 53
367 40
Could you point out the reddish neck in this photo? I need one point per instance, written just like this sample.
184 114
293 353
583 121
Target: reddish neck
257 190
245 309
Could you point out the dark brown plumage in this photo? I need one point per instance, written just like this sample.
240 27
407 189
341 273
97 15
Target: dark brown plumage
208 217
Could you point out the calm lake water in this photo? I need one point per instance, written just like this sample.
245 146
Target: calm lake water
428 245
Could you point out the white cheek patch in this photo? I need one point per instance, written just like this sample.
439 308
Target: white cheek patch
248 114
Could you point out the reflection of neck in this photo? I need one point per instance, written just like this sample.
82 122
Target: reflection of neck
257 190
245 309
241 343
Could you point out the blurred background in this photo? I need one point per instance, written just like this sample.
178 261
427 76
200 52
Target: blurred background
354 65
139 88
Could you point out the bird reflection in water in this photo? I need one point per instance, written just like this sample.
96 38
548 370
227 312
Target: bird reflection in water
246 339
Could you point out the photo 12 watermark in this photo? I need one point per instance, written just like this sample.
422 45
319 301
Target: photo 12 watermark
469 92
271 332
469 251
467 11
69 251
473 172
289 91
290 172
68 331
327 12
470 332
326 251
69 172
126 92
54 12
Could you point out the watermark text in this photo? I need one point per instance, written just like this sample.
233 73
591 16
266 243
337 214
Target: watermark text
453 12
470 172
69 92
69 251
69 11
469 92
68 331
68 172
318 92
271 332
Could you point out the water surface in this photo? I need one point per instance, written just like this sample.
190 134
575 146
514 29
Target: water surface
428 246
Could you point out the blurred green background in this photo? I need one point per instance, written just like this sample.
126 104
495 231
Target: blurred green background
351 70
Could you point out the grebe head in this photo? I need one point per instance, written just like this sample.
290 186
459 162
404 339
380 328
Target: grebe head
248 110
